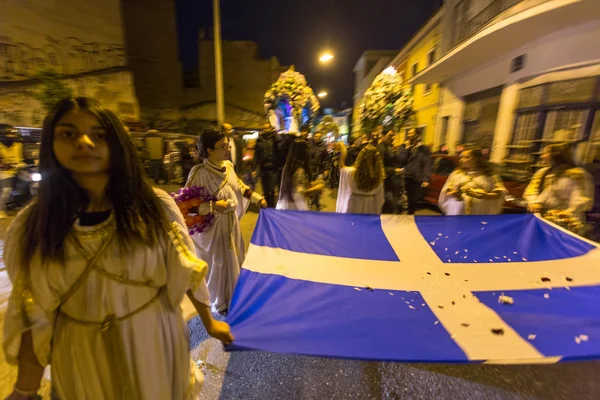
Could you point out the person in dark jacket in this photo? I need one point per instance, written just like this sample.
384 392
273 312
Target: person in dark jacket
392 183
415 158
236 155
319 163
283 148
354 150
267 163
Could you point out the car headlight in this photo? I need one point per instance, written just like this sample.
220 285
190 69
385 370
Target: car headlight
36 177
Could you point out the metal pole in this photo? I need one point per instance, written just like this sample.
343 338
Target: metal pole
218 63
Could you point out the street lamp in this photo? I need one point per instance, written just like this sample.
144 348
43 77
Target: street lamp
322 94
326 57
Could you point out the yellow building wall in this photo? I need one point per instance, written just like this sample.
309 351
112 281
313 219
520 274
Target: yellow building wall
425 102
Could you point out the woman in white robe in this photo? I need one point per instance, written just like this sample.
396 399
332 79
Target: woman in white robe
221 245
296 187
561 186
100 264
361 185
473 188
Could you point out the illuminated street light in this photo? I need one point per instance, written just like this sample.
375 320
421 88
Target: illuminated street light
326 57
322 94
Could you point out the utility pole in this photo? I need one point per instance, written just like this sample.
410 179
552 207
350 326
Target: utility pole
218 62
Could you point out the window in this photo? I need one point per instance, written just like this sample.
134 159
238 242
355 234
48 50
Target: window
525 128
428 88
444 130
415 69
531 97
593 148
555 112
565 125
574 91
431 57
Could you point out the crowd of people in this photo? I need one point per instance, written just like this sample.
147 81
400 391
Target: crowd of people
101 260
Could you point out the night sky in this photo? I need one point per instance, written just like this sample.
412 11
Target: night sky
295 31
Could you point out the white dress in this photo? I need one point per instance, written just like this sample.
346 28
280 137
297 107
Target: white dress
467 205
299 200
221 245
350 200
571 190
144 354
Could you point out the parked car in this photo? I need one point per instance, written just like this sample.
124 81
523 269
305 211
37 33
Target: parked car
443 165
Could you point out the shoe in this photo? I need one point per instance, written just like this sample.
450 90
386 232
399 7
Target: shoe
3 215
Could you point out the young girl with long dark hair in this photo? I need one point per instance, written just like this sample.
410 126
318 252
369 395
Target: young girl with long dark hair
296 186
100 263
361 185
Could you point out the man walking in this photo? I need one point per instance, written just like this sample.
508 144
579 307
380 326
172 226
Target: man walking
319 158
416 158
393 183
266 162
155 144
237 148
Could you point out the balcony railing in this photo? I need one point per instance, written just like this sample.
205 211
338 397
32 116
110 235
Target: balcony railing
467 27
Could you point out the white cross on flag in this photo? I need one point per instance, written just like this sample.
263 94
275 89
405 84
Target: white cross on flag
418 289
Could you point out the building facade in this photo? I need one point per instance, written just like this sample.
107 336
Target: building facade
152 48
418 54
370 64
83 42
518 74
246 78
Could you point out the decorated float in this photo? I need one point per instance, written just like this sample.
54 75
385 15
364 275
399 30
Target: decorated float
290 102
387 102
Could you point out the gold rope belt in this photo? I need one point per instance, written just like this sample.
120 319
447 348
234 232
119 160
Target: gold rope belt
112 319
109 329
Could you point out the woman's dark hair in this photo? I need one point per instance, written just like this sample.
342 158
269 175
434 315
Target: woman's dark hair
208 139
482 164
297 158
139 213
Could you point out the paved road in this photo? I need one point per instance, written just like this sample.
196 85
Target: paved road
274 376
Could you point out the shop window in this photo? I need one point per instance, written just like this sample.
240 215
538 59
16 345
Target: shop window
531 97
574 91
565 125
593 148
526 128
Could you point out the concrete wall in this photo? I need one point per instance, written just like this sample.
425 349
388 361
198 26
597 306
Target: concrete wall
58 35
114 89
246 77
151 38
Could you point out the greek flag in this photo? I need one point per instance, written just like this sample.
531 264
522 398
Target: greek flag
470 289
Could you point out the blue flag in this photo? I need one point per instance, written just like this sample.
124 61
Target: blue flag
496 289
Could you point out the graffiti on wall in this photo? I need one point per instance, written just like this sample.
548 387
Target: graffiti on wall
20 61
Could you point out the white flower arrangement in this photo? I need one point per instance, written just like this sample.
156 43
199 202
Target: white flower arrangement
291 86
386 97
